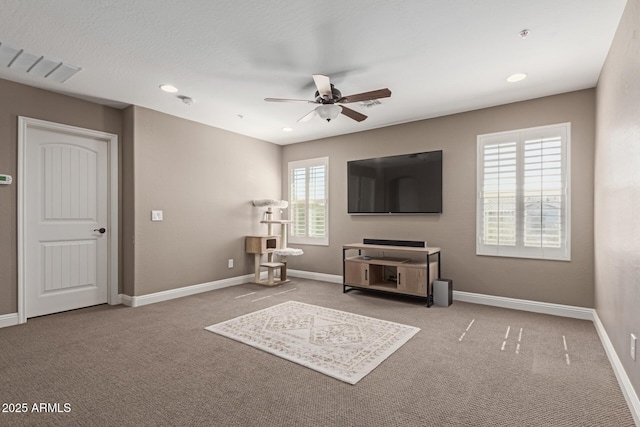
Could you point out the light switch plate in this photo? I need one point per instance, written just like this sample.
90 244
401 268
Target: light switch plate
156 216
634 346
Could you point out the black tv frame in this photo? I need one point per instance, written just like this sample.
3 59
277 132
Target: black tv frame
387 158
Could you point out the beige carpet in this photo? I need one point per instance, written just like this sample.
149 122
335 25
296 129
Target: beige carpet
157 366
343 345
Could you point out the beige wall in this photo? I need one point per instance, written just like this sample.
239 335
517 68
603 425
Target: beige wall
19 100
454 231
617 191
204 179
127 207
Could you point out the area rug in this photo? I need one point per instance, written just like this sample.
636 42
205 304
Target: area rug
343 345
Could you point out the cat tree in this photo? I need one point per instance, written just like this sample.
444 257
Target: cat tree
271 245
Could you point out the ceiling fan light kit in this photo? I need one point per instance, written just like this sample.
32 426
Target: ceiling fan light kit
328 96
329 112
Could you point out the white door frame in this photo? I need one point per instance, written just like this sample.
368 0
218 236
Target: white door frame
24 123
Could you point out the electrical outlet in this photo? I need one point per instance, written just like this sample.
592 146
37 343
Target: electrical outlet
230 263
156 216
634 342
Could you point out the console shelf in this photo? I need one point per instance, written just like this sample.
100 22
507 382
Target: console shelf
393 274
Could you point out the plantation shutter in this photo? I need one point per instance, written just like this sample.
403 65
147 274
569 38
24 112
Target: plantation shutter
317 201
308 195
499 194
298 202
543 192
523 193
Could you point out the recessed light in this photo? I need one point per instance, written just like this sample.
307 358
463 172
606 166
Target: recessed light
287 129
169 88
516 77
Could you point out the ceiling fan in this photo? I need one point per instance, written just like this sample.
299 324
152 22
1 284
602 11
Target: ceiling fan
328 97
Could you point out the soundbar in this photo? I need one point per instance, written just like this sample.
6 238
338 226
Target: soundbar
384 242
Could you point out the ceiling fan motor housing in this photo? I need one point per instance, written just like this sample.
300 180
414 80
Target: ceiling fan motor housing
335 95
328 98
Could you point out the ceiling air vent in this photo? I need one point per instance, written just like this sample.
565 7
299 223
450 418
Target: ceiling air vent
35 65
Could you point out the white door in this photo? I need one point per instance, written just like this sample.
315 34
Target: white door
65 208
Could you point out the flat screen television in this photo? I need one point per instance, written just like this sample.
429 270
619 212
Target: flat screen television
405 184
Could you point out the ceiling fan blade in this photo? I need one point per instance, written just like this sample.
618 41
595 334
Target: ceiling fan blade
323 83
366 96
308 116
289 100
353 114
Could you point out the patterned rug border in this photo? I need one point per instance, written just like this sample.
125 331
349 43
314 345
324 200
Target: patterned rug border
382 353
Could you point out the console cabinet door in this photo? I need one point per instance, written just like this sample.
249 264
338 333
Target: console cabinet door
356 273
412 280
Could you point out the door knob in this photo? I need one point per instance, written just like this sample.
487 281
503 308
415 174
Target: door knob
100 230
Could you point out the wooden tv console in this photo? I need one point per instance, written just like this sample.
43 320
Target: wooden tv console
394 274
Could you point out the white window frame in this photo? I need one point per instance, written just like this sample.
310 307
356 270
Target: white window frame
519 250
306 164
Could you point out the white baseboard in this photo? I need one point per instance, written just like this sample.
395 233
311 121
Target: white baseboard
516 304
623 380
10 319
133 301
526 305
138 301
333 278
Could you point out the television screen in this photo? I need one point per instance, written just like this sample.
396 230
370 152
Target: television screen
405 184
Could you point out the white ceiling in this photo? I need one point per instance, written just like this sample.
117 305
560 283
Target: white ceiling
437 56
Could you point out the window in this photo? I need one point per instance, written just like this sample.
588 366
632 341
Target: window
309 201
523 207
